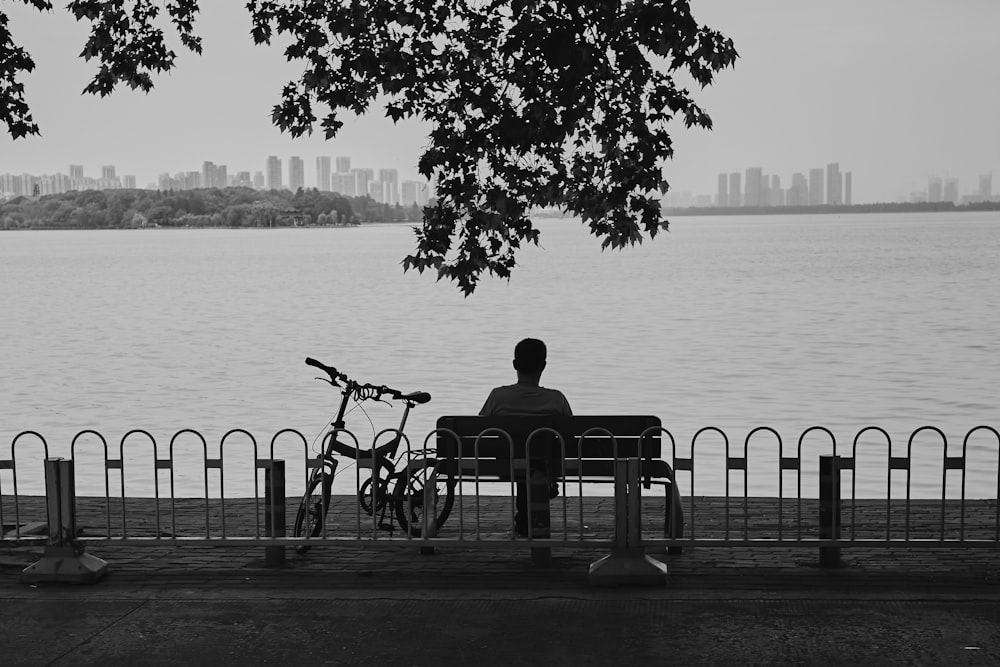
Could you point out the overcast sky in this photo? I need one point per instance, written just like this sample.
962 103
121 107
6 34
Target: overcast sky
893 90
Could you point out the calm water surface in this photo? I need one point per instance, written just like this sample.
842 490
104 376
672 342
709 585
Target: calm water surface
737 322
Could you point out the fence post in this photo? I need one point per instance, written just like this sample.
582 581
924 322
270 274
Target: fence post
829 509
274 511
64 559
628 562
429 515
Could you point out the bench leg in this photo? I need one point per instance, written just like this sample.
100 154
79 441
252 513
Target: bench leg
673 519
628 563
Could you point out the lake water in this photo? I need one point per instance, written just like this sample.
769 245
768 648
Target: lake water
734 322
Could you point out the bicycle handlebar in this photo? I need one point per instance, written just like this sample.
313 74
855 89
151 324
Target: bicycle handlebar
330 370
366 391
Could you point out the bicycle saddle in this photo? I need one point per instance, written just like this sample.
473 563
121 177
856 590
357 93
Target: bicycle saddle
418 397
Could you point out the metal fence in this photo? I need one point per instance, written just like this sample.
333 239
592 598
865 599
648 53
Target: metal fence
822 510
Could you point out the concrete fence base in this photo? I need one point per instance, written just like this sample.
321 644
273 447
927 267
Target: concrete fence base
64 560
68 565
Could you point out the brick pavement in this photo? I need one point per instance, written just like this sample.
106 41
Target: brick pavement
504 562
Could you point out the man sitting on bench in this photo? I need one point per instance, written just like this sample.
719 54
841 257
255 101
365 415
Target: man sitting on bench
526 397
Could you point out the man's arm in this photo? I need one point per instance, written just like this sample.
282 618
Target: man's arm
489 407
566 410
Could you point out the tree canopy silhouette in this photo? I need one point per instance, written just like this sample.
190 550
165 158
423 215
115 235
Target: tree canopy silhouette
531 103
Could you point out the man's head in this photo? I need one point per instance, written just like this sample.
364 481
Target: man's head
529 357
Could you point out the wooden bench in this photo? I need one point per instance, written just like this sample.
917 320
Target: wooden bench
589 454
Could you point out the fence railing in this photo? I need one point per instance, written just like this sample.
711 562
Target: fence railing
823 510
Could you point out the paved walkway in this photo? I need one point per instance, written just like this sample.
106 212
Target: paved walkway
166 605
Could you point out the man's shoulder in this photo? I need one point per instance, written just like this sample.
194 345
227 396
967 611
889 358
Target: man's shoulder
507 389
524 390
518 399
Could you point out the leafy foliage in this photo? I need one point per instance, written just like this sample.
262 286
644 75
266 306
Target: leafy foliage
14 112
128 43
532 103
125 38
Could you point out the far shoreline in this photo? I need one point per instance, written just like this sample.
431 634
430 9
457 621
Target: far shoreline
886 207
692 212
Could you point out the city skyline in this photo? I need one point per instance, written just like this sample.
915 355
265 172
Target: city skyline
347 181
809 188
813 187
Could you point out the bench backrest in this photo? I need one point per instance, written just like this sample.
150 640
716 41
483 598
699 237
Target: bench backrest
588 450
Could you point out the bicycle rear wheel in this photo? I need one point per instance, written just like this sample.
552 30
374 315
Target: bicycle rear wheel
409 498
312 510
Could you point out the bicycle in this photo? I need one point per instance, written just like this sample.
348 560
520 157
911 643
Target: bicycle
402 487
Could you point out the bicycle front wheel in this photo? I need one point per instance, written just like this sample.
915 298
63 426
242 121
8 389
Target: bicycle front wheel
312 510
410 496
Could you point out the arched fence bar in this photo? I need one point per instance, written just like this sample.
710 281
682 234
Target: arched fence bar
868 499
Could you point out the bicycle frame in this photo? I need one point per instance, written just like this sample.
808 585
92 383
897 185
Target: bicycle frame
386 480
370 458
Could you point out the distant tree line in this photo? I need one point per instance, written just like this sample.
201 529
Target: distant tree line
885 207
209 207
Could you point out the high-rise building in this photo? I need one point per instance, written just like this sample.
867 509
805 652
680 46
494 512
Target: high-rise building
55 184
243 179
798 193
951 190
765 191
347 183
414 192
296 173
104 183
834 186
362 177
848 186
273 170
408 193
376 191
108 172
214 175
935 189
76 172
815 187
343 164
722 194
14 184
390 185
208 178
323 173
258 180
735 191
985 192
27 187
752 196
128 181
777 195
